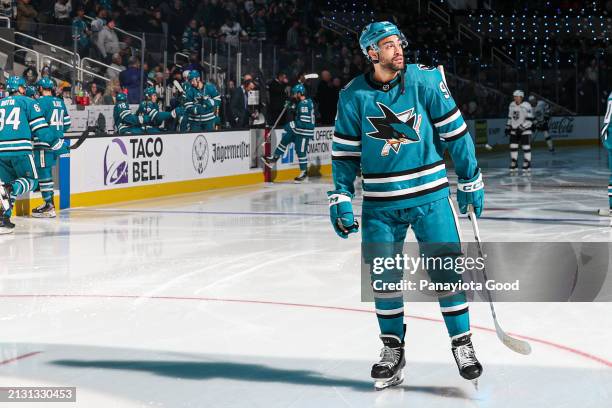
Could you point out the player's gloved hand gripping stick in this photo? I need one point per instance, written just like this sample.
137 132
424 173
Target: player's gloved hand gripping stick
471 192
341 213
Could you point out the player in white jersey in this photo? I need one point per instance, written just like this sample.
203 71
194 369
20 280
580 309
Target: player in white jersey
541 114
519 128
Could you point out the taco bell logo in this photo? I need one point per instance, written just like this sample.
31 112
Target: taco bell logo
115 163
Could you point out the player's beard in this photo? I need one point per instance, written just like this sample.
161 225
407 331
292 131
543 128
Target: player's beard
393 65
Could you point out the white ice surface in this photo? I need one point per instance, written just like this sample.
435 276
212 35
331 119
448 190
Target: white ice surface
245 297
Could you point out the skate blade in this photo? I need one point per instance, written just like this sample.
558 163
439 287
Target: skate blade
475 384
380 385
44 215
6 231
268 165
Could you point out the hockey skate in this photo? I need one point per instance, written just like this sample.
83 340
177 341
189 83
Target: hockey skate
527 169
605 212
5 196
465 357
388 371
301 178
269 161
513 170
6 226
46 210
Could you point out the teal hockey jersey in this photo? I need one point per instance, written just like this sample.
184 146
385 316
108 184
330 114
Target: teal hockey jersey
398 140
56 115
22 120
151 109
303 123
126 121
199 106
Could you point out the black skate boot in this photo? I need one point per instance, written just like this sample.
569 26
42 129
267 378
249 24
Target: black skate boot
269 161
302 177
5 196
388 371
46 210
6 226
513 167
526 168
467 363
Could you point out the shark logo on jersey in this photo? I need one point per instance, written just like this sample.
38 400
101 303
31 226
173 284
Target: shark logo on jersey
395 129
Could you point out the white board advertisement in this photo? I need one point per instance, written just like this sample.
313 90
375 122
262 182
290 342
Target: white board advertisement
560 128
135 160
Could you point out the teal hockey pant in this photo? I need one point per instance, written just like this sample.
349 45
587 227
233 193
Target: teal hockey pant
44 161
301 147
20 172
436 229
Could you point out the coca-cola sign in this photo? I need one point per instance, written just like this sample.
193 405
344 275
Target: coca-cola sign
562 126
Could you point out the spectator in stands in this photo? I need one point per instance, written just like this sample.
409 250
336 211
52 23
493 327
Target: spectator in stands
108 42
293 36
325 98
277 94
232 31
116 63
26 16
130 80
194 63
111 91
82 31
95 95
239 104
155 24
62 10
30 73
259 23
191 37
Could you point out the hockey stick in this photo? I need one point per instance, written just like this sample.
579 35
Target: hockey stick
514 344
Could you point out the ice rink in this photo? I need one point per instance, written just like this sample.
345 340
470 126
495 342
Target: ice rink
245 297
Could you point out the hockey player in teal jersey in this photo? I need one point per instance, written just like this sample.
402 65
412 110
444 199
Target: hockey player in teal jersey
212 92
395 125
21 118
199 107
606 136
150 108
58 118
126 122
299 132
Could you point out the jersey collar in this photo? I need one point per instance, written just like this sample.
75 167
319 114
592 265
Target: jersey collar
381 86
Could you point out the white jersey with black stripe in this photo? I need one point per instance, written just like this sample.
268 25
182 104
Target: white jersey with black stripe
520 116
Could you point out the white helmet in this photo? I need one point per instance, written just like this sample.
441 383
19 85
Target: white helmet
532 98
518 92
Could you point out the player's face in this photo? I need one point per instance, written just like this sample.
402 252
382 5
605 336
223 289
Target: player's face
391 54
518 100
154 98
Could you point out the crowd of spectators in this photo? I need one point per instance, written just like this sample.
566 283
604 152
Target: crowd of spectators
301 44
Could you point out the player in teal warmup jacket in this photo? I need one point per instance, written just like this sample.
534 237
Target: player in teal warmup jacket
126 122
58 118
299 131
21 121
150 107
